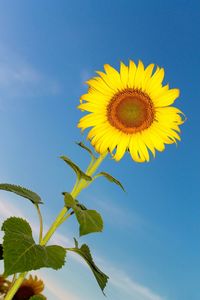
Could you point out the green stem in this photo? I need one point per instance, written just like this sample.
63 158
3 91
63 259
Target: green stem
79 186
90 171
15 286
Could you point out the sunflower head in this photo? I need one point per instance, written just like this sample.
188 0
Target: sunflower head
130 110
29 287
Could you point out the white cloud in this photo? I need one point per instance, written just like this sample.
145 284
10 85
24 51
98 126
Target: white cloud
7 209
140 292
118 278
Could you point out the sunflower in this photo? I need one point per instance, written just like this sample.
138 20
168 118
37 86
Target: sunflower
29 287
130 111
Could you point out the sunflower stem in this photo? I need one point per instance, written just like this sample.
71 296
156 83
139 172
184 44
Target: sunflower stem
15 286
62 217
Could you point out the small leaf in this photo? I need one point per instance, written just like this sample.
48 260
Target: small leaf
89 220
76 242
1 251
70 202
38 297
84 252
111 179
76 169
87 149
21 191
21 254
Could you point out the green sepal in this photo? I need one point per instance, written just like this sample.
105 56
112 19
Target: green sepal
22 254
38 297
21 191
89 220
80 174
87 149
84 252
111 179
1 251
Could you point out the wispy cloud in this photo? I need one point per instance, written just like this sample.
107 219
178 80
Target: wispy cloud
131 287
118 278
117 215
19 77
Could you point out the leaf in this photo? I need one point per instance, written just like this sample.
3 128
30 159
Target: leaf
38 297
84 252
76 169
111 179
21 191
87 149
1 251
89 220
70 202
22 254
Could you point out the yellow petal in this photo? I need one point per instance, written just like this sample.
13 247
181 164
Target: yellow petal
98 84
93 107
167 98
148 72
124 74
114 76
139 75
135 150
132 71
155 81
122 146
107 80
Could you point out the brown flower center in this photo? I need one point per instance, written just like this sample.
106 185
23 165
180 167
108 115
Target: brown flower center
130 111
24 293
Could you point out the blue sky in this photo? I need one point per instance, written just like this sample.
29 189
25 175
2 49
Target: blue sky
151 242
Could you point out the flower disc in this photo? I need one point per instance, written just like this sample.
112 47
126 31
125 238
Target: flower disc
29 287
130 111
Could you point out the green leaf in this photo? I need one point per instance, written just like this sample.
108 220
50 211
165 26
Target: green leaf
21 191
111 179
89 220
1 251
76 169
70 202
38 297
22 254
84 252
87 149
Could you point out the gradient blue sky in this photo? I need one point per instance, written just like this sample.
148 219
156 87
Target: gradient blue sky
150 246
